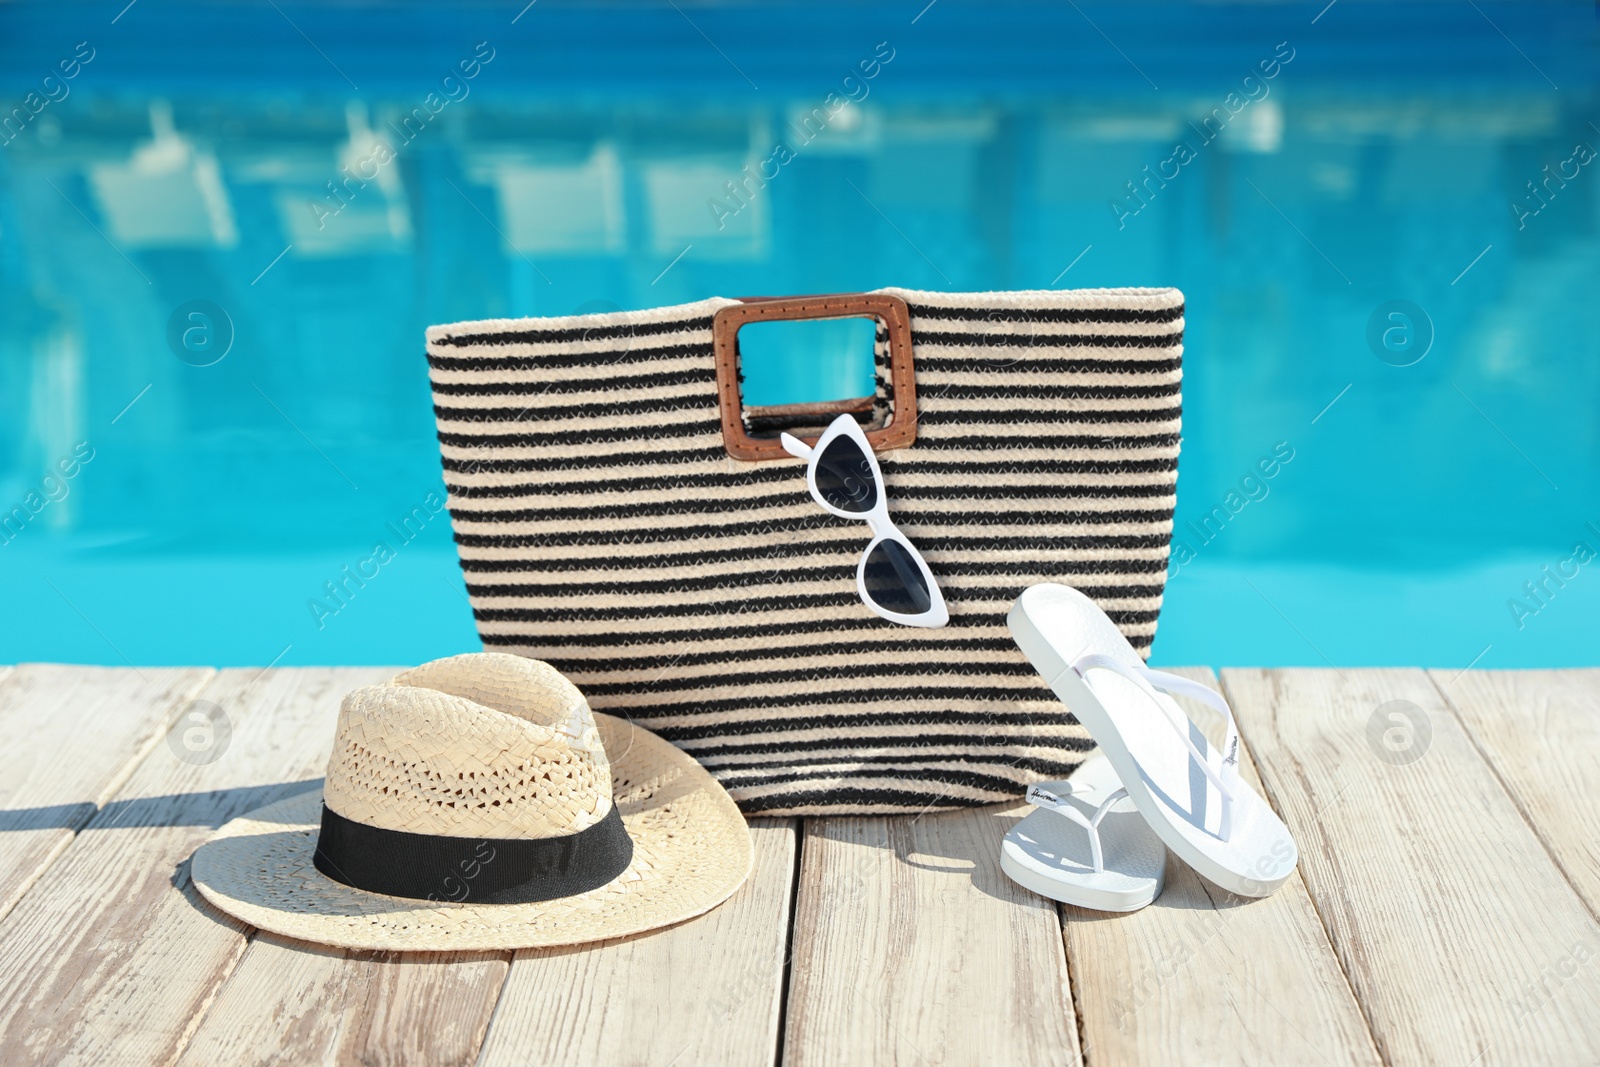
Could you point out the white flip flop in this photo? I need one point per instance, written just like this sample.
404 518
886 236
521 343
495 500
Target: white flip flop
1191 795
1087 845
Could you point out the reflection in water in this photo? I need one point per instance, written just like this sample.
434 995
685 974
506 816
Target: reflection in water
362 207
168 194
1313 208
556 205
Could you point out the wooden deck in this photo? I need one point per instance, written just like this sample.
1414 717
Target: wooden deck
1444 911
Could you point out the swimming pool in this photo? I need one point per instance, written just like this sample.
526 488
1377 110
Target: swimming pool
215 285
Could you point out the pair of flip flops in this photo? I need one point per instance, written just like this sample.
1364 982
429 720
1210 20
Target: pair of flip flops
1101 836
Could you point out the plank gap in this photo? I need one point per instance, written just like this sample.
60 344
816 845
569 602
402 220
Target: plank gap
23 887
704 991
798 827
1073 978
499 1004
192 1024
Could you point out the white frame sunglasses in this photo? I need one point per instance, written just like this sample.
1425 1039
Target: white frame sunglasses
884 530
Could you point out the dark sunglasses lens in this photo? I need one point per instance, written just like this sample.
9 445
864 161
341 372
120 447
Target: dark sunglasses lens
844 477
894 581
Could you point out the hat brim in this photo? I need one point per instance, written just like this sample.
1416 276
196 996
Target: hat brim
691 851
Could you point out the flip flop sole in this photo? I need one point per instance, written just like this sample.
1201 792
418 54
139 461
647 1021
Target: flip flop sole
1055 626
1049 855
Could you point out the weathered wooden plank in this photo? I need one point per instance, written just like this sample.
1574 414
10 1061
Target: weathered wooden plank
703 992
1202 976
911 946
1462 940
113 955
1540 731
293 1002
69 736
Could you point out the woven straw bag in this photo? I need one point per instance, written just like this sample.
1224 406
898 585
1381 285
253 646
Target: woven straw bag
622 515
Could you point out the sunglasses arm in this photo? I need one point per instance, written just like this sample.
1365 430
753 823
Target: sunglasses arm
795 447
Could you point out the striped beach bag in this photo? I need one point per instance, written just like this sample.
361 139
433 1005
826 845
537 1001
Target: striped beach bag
622 514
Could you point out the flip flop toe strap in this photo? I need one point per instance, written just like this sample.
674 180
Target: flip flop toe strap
1225 777
1050 796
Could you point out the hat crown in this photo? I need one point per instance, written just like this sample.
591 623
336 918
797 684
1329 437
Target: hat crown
483 745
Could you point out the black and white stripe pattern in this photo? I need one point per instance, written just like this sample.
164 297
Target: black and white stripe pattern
603 527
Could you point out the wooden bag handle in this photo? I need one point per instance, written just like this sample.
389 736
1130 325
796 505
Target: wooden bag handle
901 429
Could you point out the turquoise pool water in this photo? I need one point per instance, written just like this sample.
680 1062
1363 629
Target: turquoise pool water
212 390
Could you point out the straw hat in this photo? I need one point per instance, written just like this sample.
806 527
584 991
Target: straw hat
476 802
